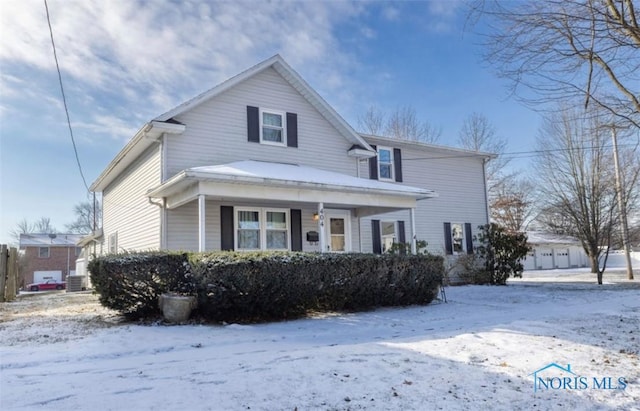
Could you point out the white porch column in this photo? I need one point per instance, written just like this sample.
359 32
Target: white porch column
321 233
201 222
412 217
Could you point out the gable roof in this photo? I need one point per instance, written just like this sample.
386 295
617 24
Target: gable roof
288 175
443 151
164 123
293 78
540 238
49 240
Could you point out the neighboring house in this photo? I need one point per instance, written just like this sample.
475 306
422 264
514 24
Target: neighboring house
48 256
262 162
549 251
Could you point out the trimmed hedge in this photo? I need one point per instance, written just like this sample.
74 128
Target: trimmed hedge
132 283
247 287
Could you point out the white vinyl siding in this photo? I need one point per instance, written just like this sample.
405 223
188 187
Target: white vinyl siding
127 210
182 226
455 176
222 123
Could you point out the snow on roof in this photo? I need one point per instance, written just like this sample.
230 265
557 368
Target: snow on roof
540 237
301 174
49 240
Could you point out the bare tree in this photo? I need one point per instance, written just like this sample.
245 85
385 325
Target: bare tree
576 175
402 123
42 225
478 134
84 222
512 205
581 52
372 122
510 196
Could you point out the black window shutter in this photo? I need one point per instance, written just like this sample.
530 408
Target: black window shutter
373 166
402 238
226 228
468 237
296 230
448 245
375 235
253 124
397 164
292 130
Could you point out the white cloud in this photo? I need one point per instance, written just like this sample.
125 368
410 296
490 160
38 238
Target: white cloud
152 55
391 13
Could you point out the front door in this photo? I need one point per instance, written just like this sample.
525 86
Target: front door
338 229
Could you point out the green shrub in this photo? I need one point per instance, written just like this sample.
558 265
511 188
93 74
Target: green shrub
131 283
263 286
247 287
502 252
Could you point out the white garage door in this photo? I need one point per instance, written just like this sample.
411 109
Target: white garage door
545 258
562 257
529 262
40 276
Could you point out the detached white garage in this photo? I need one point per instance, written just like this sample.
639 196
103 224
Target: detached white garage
549 251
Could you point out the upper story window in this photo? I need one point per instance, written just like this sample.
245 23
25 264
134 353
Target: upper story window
272 127
43 252
385 163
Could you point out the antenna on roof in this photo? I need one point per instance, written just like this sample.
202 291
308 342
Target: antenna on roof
52 236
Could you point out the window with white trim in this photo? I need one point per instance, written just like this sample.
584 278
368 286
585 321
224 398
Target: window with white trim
262 229
272 127
43 252
113 243
457 237
387 235
385 163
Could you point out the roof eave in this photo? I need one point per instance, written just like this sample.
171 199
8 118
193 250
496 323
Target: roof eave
143 139
186 177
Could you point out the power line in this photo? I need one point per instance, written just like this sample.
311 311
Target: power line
64 98
516 154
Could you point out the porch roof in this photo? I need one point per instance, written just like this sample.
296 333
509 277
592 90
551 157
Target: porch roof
250 179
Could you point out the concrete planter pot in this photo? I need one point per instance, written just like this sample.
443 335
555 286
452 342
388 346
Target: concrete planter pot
176 308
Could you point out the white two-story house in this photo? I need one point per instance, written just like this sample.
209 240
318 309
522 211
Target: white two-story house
262 162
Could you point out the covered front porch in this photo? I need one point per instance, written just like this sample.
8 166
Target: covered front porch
255 205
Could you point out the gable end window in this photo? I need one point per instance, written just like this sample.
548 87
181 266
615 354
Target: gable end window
43 252
272 127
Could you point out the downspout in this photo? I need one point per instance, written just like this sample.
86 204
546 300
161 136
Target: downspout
162 205
486 189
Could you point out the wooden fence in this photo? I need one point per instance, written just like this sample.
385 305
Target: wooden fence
8 273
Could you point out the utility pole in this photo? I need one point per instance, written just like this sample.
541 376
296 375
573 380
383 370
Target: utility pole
621 205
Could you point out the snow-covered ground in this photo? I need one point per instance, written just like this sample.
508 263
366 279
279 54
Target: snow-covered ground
62 351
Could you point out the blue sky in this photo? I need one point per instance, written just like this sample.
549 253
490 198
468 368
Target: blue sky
125 62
